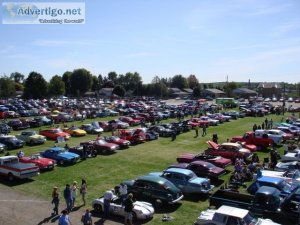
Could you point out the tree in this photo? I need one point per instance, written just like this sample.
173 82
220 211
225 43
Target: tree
229 87
56 86
179 81
17 77
119 90
67 80
95 84
197 91
35 86
81 81
113 77
132 80
192 81
7 87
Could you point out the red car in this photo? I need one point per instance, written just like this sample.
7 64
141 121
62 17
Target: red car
129 120
55 133
119 141
228 150
135 136
104 125
201 168
200 122
216 160
101 146
41 162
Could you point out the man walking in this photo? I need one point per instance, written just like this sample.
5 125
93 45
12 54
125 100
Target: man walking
204 131
196 128
128 209
68 197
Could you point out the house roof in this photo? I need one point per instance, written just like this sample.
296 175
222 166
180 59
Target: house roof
174 90
214 91
188 90
269 85
244 91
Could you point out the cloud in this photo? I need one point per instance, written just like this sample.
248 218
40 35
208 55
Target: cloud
62 43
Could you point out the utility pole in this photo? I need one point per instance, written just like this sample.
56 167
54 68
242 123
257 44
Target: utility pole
283 102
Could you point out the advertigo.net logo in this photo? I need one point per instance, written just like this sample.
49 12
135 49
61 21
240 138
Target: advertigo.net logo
43 13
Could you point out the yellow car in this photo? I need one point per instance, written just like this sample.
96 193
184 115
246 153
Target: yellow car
75 131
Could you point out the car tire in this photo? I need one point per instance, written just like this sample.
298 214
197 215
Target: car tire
158 203
134 217
98 208
30 142
10 177
61 162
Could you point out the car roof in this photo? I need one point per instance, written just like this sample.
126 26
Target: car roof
266 190
200 162
56 148
154 179
270 179
232 211
179 170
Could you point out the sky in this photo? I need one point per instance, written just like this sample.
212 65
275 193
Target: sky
242 39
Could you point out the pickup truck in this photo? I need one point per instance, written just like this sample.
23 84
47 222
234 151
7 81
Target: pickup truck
12 168
227 215
266 203
250 138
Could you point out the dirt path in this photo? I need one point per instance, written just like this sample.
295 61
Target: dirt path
19 208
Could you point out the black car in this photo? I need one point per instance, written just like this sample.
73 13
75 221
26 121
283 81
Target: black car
83 151
11 141
4 128
18 124
35 123
162 131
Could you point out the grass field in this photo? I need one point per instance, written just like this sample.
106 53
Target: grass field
104 172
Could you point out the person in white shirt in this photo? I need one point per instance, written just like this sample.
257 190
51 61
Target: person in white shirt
123 192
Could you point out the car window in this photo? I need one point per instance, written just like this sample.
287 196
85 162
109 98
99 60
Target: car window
232 221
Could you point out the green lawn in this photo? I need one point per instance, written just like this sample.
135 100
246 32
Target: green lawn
104 172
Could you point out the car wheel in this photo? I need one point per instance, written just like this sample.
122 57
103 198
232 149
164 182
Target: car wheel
10 177
98 208
61 162
134 217
30 142
94 153
158 203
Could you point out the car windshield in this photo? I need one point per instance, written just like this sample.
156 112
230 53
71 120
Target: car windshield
61 151
35 156
102 142
57 131
284 186
115 138
249 219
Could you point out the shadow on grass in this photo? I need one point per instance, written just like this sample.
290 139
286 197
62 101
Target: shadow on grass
216 182
51 219
15 182
114 218
167 208
196 197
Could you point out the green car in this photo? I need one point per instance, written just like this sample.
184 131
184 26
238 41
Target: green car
154 189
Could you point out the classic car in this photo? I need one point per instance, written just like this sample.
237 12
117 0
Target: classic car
123 143
280 183
105 125
186 180
228 150
75 131
45 120
17 125
90 129
289 130
291 156
162 131
117 124
54 133
154 189
60 155
149 134
4 128
212 122
31 137
11 142
198 122
135 136
141 210
83 151
41 162
201 168
216 160
101 146
62 117
286 166
129 120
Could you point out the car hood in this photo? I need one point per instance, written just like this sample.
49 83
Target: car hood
157 174
68 155
43 161
37 136
187 156
217 170
198 180
143 206
213 145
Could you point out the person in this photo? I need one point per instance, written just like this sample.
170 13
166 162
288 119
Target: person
98 137
68 197
128 209
254 127
196 128
204 131
123 191
67 146
20 154
83 190
86 218
64 218
263 125
74 193
266 123
108 195
55 200
173 135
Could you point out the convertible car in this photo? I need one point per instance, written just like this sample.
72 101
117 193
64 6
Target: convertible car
141 210
38 160
75 131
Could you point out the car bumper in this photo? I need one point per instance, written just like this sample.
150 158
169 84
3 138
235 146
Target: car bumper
176 200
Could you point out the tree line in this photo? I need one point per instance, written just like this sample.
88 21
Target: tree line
80 81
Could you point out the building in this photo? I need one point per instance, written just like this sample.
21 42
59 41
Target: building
244 92
176 92
214 93
106 92
269 89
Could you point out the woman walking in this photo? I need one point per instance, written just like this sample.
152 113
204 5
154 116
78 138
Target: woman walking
83 190
55 200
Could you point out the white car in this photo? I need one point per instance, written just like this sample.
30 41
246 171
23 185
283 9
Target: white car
291 176
275 135
291 156
141 210
212 122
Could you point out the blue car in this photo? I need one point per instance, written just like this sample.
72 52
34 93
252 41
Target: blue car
280 183
186 180
61 155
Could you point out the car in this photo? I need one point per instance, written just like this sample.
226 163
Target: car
141 210
11 142
135 136
162 131
228 150
216 160
280 183
2 148
83 151
17 125
129 120
212 122
201 168
41 162
61 155
45 120
155 189
117 124
123 143
286 166
91 129
289 130
278 136
290 99
101 146
63 117
186 180
150 134
75 131
31 137
105 126
4 128
291 156
54 133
